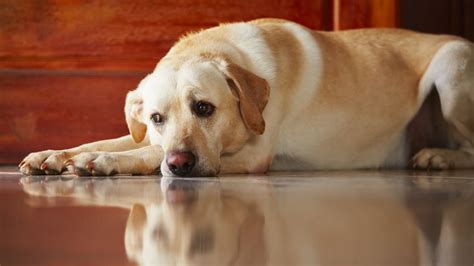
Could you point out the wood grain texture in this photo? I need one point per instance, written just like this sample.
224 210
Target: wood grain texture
65 66
131 34
352 14
56 110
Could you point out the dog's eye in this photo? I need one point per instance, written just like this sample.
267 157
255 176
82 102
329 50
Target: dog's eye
203 109
156 118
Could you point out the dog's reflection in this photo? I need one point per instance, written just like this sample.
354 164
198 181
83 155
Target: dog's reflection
362 221
194 225
263 223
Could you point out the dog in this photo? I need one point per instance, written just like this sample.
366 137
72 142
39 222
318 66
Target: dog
270 94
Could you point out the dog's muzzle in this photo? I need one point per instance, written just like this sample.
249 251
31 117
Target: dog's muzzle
181 163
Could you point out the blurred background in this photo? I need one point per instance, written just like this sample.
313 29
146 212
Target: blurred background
66 65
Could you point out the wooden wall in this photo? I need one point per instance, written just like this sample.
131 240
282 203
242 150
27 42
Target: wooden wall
66 65
353 14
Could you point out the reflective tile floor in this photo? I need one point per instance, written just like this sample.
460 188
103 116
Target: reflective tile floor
321 218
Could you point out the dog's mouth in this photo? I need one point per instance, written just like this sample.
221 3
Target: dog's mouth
198 171
193 175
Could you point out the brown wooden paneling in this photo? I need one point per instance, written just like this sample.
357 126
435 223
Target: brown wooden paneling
65 66
133 34
44 109
352 14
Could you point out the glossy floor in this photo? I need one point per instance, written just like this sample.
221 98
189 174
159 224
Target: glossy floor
321 218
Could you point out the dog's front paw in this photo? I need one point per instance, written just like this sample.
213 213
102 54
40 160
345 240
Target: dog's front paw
48 162
438 159
94 163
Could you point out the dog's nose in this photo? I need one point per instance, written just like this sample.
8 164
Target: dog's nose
181 163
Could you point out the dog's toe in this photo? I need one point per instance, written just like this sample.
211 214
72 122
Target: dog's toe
28 169
45 162
105 164
433 159
55 163
95 163
94 170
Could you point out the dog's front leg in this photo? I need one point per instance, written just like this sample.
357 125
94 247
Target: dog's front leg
143 161
53 161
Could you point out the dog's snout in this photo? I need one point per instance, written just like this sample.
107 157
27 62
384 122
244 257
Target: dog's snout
181 163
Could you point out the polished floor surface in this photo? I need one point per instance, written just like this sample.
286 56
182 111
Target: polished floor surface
321 218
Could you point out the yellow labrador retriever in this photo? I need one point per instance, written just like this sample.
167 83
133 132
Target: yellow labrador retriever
273 95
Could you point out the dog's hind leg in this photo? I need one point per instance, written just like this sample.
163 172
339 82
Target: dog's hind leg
451 71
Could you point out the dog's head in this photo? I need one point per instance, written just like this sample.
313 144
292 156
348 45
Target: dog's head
197 109
194 224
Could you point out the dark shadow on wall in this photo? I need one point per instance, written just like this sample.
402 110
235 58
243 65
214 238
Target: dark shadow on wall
438 16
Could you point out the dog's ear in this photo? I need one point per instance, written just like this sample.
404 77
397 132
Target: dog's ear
134 114
252 92
134 231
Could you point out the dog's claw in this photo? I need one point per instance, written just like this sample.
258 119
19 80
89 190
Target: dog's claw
27 166
69 162
21 163
90 166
